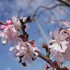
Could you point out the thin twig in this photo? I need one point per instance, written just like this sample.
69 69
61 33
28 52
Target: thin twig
44 58
1 22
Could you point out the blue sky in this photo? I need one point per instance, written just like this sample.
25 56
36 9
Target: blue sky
9 8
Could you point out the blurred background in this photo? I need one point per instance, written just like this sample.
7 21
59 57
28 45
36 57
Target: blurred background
50 15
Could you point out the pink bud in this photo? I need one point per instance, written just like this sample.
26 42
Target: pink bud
3 27
47 67
8 22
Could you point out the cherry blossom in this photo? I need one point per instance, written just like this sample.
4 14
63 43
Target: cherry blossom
59 45
26 50
58 42
11 34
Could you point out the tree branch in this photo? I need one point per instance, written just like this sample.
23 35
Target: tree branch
44 58
1 22
49 61
66 2
46 8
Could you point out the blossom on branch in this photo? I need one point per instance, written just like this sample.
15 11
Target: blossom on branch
26 51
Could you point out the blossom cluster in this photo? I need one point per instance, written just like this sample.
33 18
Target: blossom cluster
60 44
21 46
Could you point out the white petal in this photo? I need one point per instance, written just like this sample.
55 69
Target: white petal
27 27
4 39
55 47
1 34
60 58
36 53
20 53
18 47
51 34
24 59
11 49
53 54
24 19
64 45
29 59
14 19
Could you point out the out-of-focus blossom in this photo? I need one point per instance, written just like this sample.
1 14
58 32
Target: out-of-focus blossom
9 22
26 50
11 34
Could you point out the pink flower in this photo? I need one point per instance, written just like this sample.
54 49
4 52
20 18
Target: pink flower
60 46
9 33
58 43
3 27
8 22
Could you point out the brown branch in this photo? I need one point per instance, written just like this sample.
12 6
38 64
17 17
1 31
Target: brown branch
49 61
44 58
66 2
1 22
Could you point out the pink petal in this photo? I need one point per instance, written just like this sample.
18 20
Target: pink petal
3 27
8 22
